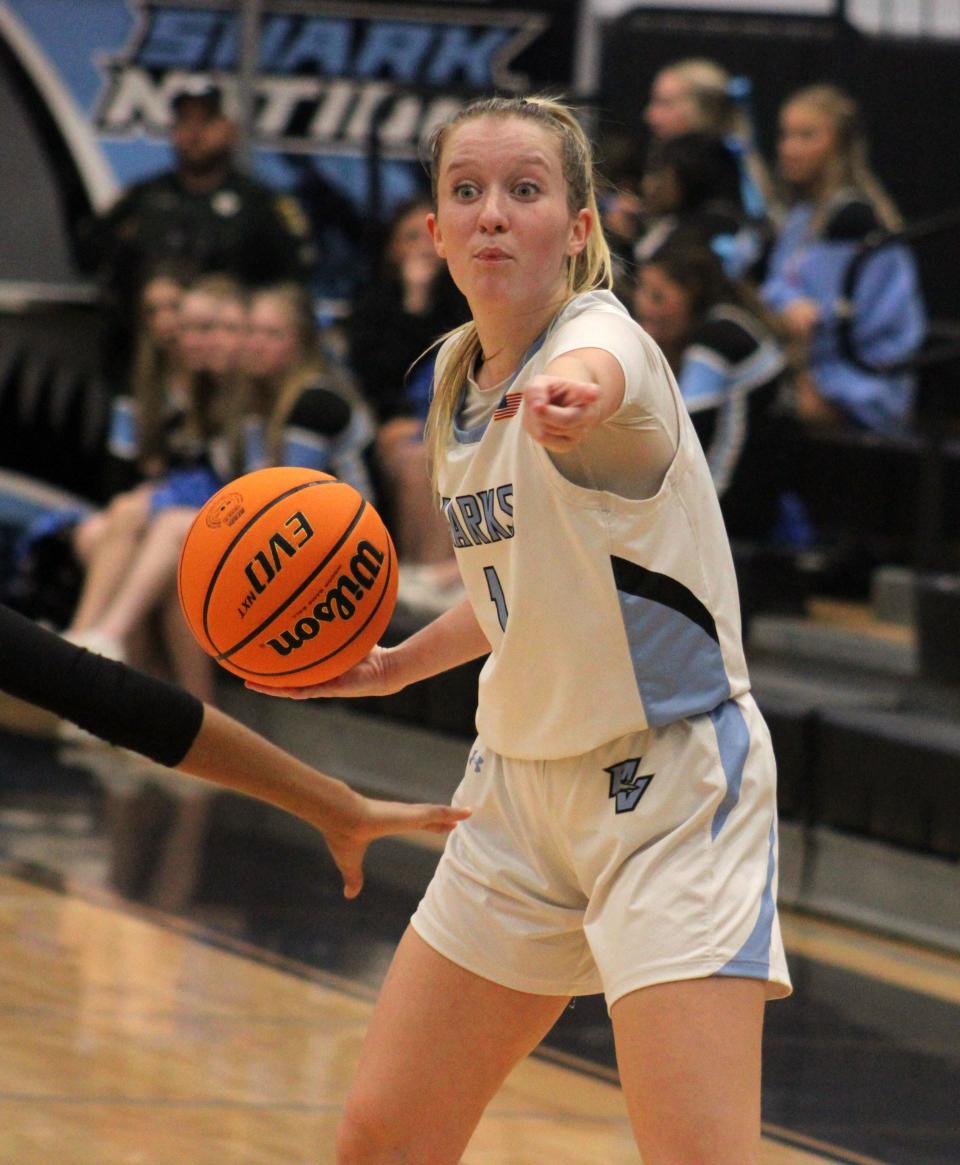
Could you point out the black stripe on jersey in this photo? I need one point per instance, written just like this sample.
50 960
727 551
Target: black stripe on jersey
633 579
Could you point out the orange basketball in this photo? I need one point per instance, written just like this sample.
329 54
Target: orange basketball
287 577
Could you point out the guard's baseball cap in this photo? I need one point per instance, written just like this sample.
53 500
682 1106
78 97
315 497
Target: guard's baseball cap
201 90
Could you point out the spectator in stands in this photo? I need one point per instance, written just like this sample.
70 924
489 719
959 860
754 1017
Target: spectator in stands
130 550
731 366
45 577
837 202
129 604
408 305
621 206
143 414
391 332
202 210
301 408
697 95
692 190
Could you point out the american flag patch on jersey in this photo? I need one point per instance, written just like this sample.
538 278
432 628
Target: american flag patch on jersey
508 407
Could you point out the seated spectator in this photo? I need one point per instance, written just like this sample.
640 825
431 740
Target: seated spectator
301 409
152 401
731 368
621 207
391 332
46 576
130 550
408 305
698 95
691 190
836 203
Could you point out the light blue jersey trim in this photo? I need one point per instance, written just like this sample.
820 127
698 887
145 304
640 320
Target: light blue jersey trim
733 740
704 379
124 437
306 449
752 961
254 444
472 436
678 667
467 436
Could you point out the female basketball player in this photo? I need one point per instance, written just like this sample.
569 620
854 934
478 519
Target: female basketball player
624 828
171 727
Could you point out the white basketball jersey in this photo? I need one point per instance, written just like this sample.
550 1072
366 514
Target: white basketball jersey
605 614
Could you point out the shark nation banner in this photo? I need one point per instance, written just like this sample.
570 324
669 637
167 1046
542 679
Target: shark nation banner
329 76
343 93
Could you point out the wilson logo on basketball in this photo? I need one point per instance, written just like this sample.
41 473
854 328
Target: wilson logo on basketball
339 602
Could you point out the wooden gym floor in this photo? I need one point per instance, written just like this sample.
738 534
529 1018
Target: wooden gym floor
227 1031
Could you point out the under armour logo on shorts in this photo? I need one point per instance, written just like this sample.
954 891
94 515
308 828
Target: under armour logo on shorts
626 786
476 759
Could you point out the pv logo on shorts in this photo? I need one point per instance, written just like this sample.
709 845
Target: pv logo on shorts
626 786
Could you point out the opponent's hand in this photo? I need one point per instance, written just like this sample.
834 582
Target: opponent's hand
559 412
369 677
348 844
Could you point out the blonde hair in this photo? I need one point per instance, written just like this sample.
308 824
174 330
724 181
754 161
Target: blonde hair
708 89
152 371
590 269
311 366
849 168
717 109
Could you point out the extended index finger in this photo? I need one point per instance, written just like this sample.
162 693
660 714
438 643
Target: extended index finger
559 390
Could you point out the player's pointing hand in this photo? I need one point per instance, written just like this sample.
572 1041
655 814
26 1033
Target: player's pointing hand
558 412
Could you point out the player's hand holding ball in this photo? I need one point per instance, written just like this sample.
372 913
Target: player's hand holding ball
371 676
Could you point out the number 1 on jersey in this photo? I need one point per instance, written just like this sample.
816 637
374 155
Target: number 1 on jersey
497 597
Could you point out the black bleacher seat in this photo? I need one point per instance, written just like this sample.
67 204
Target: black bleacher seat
54 403
938 625
860 491
770 581
871 497
444 703
791 719
891 776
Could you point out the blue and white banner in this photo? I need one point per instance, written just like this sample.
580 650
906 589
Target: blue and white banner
333 79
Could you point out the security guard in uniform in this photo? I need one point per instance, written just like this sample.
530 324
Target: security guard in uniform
202 211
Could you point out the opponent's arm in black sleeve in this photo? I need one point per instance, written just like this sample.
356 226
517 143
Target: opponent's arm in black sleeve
115 702
166 724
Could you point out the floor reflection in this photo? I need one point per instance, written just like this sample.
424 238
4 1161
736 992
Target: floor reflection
851 1061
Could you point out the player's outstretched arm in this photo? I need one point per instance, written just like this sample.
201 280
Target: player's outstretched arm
574 394
234 756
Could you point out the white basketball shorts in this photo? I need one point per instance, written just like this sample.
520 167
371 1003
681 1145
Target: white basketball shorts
650 860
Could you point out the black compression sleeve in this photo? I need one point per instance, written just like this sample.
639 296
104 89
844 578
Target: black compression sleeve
111 700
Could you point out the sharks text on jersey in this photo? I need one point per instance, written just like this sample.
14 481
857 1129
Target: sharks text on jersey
481 518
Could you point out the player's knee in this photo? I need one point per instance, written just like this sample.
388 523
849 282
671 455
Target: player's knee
86 536
128 511
353 1144
174 524
363 1139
